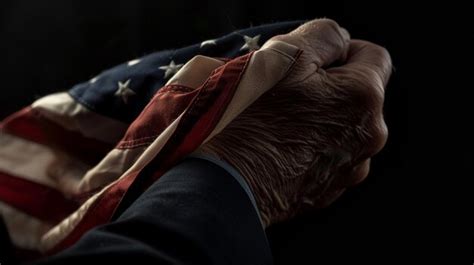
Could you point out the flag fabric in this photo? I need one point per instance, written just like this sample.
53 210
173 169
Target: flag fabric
76 159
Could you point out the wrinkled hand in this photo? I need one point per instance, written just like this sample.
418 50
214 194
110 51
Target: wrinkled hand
301 144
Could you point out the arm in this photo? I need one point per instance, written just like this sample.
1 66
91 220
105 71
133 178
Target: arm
197 213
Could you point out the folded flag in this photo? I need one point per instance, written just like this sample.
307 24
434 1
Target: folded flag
74 160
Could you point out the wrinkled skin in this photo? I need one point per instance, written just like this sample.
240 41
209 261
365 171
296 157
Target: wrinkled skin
301 144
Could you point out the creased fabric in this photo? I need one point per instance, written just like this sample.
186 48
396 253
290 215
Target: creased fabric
74 160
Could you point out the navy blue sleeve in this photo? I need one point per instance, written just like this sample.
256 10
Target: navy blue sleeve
197 213
6 248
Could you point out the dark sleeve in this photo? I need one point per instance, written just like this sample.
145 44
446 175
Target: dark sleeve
196 213
6 248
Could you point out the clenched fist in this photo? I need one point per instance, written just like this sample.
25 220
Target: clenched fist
302 143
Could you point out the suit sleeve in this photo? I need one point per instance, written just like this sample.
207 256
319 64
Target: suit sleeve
197 213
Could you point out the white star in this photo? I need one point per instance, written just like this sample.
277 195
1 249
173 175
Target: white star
251 43
171 69
93 80
124 91
133 62
208 42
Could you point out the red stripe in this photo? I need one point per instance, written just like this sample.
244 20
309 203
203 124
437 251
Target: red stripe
26 255
162 110
30 124
204 112
226 79
40 201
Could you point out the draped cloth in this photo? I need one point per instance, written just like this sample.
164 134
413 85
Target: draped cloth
74 160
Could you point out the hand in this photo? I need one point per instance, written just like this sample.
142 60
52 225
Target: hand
301 144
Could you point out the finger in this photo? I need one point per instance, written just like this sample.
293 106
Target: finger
366 61
359 173
324 39
328 198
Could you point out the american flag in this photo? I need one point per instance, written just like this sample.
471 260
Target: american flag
74 160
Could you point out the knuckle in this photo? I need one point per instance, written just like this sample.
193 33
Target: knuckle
383 53
334 32
359 173
384 61
372 84
328 24
321 23
325 27
366 91
377 137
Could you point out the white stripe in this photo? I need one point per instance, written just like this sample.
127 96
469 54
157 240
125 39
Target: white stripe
25 230
195 72
38 163
62 109
60 231
115 163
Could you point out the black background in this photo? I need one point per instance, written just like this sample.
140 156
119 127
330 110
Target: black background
50 46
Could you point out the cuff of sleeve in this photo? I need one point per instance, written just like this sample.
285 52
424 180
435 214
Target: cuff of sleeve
234 173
